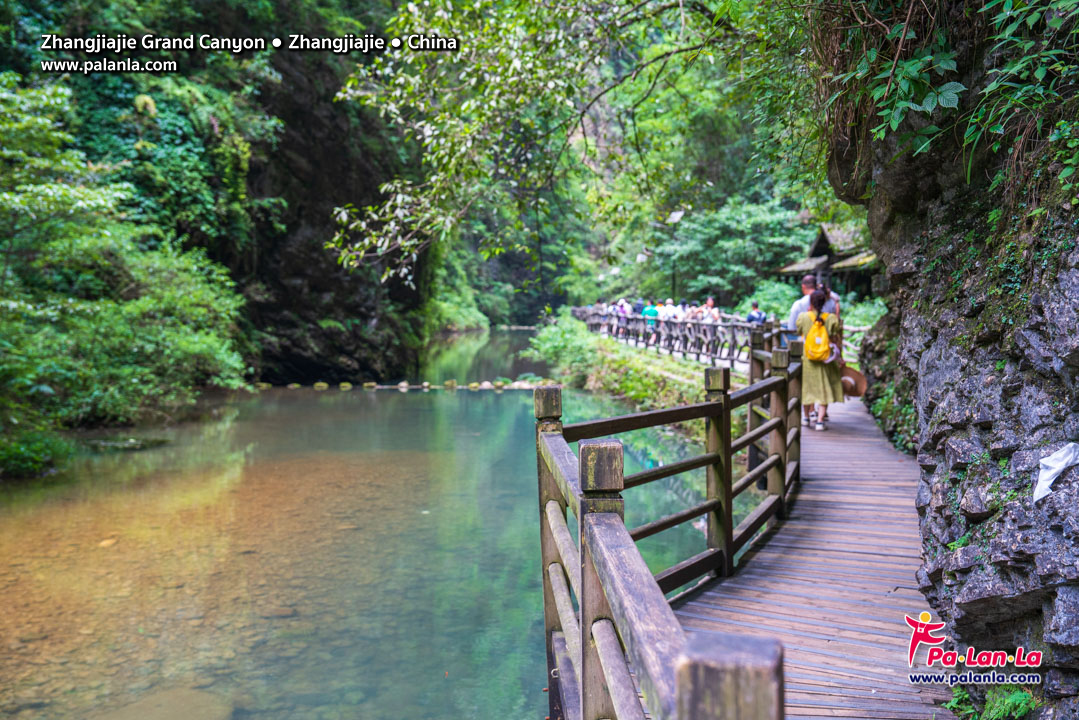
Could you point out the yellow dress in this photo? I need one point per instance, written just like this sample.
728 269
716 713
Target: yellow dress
821 383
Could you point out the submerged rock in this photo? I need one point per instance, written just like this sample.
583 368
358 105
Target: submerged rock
174 704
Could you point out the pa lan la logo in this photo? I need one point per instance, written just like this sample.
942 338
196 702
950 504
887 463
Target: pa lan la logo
922 634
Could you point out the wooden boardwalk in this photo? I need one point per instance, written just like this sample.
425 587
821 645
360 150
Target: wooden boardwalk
834 581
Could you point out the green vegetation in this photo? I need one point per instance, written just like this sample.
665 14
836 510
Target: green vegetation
583 359
897 416
102 320
1002 702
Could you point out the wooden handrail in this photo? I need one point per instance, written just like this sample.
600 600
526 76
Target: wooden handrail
754 391
652 636
636 421
623 695
755 474
562 464
568 554
751 437
566 616
622 615
726 338
670 469
748 527
665 523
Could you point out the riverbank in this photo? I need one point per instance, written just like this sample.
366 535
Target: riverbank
581 359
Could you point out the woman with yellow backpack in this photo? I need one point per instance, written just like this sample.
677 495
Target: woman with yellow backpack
822 360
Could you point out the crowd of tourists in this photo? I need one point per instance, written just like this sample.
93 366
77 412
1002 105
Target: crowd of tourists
669 310
814 318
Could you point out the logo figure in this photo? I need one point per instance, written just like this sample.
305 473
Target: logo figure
922 632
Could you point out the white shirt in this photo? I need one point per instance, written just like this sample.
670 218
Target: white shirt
801 305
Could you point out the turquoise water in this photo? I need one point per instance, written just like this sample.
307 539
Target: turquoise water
302 554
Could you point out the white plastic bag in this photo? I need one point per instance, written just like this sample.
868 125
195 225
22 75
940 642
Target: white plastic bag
1051 467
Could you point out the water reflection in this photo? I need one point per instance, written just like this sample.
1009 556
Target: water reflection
478 356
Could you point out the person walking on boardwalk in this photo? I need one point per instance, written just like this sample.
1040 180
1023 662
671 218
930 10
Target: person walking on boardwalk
801 305
822 360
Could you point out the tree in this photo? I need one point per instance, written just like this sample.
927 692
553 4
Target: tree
45 186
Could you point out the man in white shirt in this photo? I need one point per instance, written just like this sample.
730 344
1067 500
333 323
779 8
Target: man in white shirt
801 305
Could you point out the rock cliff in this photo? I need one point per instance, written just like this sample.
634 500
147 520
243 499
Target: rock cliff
980 352
314 320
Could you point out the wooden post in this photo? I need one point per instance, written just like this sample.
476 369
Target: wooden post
717 385
777 476
729 677
756 373
794 452
601 475
547 401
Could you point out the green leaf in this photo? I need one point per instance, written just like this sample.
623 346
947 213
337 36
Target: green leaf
921 144
897 117
1066 172
949 100
952 87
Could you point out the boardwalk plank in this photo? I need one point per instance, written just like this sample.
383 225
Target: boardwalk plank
833 582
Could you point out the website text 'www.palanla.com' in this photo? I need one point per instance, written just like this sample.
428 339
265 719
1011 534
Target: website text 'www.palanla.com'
970 677
86 67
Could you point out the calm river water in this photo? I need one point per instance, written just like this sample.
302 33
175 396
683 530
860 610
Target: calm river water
301 555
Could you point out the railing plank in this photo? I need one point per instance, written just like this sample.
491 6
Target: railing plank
636 421
690 569
745 530
761 412
764 355
750 437
567 679
567 549
571 629
755 474
675 468
563 465
753 392
677 518
615 671
652 636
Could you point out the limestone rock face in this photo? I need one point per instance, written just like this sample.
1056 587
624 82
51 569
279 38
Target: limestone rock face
982 343
991 401
317 321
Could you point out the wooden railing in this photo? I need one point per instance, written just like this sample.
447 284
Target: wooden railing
725 339
622 626
730 338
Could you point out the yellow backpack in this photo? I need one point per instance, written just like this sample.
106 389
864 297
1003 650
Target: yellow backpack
817 345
